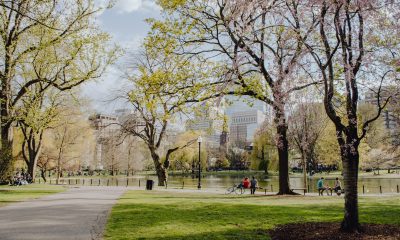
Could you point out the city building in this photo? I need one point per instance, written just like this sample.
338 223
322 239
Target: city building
391 113
209 120
242 113
114 150
243 126
105 126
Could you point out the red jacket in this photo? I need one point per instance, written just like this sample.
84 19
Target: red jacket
246 183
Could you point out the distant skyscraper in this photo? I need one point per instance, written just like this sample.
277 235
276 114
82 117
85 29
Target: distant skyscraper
107 132
242 114
389 114
243 125
209 120
105 126
245 115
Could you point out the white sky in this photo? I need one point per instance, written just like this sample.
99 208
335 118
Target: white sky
125 22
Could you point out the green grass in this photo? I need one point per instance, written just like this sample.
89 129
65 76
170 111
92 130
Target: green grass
11 194
162 215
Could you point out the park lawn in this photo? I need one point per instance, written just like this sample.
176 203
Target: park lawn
11 194
166 215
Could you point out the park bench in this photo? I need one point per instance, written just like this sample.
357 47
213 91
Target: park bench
341 191
331 190
300 189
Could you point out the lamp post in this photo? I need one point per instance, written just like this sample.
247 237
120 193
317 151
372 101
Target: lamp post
199 140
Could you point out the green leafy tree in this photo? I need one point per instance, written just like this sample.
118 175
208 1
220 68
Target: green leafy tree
307 123
184 158
239 159
222 162
46 43
264 149
163 84
36 115
327 148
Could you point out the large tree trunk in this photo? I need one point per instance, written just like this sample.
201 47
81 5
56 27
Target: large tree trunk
304 163
6 151
350 160
6 130
33 159
161 172
162 175
283 151
33 149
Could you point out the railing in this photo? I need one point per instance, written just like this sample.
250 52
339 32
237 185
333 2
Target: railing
134 182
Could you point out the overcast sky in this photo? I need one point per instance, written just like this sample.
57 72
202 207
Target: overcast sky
125 22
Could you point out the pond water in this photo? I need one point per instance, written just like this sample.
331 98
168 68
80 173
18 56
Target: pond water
371 185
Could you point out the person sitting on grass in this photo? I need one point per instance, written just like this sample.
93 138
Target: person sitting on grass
320 186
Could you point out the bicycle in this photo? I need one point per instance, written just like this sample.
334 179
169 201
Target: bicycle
235 189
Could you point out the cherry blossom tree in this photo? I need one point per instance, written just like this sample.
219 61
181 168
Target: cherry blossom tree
354 49
258 47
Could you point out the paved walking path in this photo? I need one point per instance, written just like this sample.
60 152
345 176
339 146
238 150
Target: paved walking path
78 213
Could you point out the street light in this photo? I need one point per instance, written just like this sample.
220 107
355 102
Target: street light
199 140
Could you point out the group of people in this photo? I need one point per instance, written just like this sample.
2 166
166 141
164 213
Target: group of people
321 187
21 178
337 187
247 183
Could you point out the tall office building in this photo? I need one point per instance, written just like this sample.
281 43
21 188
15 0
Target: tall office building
208 120
244 124
390 114
245 114
105 127
112 149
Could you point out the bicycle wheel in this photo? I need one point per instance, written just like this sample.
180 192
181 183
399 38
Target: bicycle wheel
230 190
240 190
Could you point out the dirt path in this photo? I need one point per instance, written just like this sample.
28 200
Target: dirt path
78 213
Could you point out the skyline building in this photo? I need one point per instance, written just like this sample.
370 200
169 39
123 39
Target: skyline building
105 127
112 151
389 115
244 124
209 120
242 113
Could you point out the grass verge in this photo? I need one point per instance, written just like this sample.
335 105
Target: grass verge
11 194
163 215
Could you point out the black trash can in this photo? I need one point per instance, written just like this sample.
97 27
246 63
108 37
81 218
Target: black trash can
149 184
